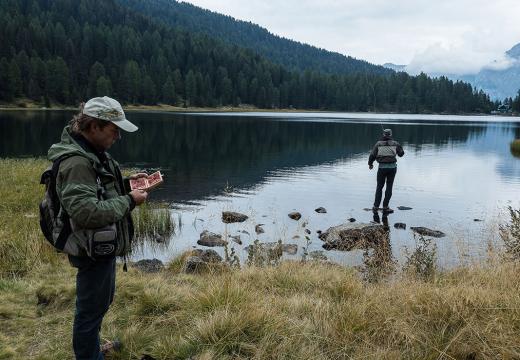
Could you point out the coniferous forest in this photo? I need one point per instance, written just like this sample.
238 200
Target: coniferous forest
65 51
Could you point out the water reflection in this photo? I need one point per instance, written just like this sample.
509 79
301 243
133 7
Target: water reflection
204 154
267 167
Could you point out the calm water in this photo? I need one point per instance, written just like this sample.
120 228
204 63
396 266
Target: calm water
456 169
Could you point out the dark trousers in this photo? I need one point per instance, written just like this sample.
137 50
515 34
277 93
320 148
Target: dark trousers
95 287
388 176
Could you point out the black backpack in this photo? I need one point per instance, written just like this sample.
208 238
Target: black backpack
50 207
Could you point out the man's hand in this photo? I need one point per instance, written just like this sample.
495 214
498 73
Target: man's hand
370 167
139 196
137 176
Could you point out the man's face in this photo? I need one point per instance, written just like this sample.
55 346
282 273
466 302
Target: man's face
104 138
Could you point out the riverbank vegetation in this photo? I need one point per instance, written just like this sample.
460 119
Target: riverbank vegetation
299 310
64 53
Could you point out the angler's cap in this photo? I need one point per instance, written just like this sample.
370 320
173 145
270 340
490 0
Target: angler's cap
108 109
387 132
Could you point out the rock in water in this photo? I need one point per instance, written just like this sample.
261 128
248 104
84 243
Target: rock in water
307 231
404 208
210 239
259 229
351 236
352 220
236 239
233 217
400 226
321 210
290 249
295 215
427 232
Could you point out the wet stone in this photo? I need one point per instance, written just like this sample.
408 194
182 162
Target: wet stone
295 215
236 239
233 217
210 239
259 229
400 226
427 232
349 236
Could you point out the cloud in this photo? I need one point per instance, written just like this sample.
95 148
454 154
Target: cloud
457 60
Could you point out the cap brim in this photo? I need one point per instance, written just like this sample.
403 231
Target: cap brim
125 125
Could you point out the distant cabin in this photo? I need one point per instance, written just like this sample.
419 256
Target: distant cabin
504 108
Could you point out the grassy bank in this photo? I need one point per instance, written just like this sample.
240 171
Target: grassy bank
295 310
26 104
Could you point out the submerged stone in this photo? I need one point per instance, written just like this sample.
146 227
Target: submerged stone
210 239
427 232
295 215
233 217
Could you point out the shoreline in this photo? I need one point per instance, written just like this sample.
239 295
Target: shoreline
226 109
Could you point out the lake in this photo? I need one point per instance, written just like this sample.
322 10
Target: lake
456 169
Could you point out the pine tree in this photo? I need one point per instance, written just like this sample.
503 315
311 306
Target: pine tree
168 92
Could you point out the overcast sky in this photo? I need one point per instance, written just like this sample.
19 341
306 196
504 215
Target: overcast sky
448 36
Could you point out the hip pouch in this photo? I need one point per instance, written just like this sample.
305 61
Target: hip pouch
97 244
102 243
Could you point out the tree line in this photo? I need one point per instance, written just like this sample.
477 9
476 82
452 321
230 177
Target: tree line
291 54
66 51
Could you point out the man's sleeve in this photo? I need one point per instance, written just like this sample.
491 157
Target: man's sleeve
77 189
373 155
399 150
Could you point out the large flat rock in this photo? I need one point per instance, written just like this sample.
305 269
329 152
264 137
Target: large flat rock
351 236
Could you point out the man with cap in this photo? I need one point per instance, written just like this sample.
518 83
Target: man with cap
98 202
385 152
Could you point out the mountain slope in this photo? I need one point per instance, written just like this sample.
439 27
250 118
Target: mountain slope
289 53
68 51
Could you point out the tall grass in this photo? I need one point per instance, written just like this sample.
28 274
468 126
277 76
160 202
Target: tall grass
22 246
295 310
152 220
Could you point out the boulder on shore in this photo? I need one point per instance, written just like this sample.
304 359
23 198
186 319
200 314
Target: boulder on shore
349 236
295 215
233 217
149 265
200 259
210 239
427 232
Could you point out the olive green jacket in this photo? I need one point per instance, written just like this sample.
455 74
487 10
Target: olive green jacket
78 190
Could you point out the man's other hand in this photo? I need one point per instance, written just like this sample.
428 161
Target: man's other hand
139 196
370 167
137 176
